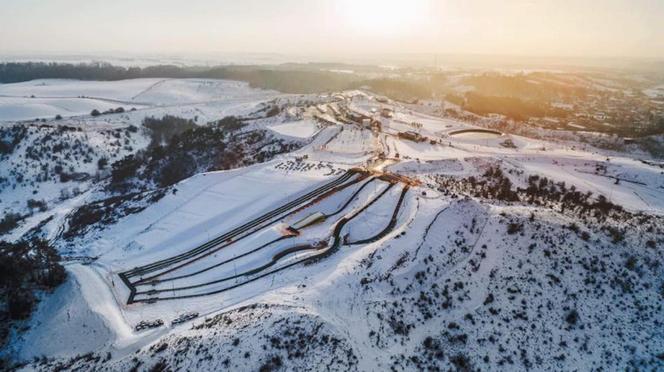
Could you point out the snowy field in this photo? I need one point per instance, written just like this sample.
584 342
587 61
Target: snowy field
44 99
655 92
299 129
394 258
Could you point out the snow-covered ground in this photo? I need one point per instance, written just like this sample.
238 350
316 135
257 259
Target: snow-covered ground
44 99
655 92
77 142
444 278
298 129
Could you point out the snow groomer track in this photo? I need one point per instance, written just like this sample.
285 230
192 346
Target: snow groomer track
185 275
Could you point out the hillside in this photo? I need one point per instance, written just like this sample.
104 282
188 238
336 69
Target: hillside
244 229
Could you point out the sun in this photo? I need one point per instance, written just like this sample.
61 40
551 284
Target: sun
384 17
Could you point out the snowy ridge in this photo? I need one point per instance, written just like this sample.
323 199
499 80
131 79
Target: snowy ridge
424 248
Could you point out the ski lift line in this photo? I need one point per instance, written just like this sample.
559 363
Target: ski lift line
325 187
250 224
274 260
213 250
148 281
346 176
337 242
357 192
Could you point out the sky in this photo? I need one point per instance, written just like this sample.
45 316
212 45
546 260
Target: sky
335 28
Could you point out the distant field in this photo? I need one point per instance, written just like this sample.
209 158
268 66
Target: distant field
46 98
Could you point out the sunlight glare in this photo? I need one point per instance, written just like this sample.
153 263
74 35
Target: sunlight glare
385 17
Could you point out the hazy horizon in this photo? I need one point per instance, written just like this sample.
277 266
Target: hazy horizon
334 30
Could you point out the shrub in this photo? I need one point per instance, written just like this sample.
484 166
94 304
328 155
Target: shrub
179 168
616 234
9 222
630 264
164 129
37 204
572 317
24 267
513 228
231 123
461 362
102 163
20 304
123 170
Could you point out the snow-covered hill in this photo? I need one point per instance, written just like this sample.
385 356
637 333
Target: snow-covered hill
44 99
363 235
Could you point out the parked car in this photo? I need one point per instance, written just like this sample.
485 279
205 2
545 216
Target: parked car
147 324
183 318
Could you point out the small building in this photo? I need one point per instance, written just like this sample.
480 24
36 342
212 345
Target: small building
412 136
386 112
357 117
311 219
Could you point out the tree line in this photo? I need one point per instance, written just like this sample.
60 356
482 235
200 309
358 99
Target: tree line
287 81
